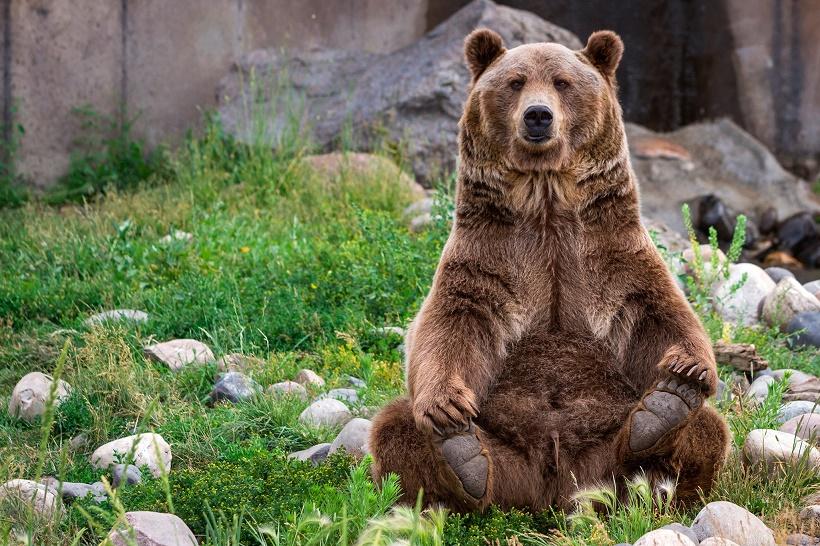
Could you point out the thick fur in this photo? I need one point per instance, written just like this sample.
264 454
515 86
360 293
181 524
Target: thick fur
551 313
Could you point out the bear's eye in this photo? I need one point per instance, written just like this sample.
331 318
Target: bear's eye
517 84
560 84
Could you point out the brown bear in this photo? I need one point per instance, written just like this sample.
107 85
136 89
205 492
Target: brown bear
554 350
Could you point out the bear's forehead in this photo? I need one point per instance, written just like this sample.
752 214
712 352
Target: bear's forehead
541 55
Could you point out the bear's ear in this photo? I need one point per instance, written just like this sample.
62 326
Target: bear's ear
481 47
604 50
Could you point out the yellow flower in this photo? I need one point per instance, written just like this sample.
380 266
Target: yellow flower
245 249
312 285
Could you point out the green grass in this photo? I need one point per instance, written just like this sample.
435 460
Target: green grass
299 272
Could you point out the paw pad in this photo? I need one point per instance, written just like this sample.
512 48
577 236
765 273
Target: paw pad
463 454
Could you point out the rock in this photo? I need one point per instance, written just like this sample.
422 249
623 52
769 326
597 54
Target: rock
369 166
327 412
717 541
688 257
682 529
307 377
798 234
412 210
288 388
29 397
353 437
709 211
234 387
799 539
805 426
78 442
726 520
152 529
149 449
740 304
421 222
741 356
391 331
666 236
790 410
177 236
778 273
775 450
315 454
768 221
41 498
237 362
178 353
806 327
130 473
355 382
811 514
72 491
725 161
345 395
813 287
659 148
664 537
413 95
115 316
778 258
796 377
759 389
723 392
788 300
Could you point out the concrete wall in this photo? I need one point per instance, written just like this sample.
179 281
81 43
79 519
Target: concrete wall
160 59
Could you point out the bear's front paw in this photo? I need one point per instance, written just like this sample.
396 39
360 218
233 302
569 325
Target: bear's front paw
445 409
691 369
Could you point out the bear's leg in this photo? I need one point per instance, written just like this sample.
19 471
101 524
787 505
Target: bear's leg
457 471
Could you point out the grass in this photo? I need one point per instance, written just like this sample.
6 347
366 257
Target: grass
299 273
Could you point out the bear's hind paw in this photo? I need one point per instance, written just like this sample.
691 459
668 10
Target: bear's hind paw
465 455
660 411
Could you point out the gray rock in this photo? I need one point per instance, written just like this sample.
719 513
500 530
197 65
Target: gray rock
98 488
178 353
307 377
353 437
29 397
808 326
355 382
811 514
41 498
813 287
682 529
234 387
793 409
130 473
723 391
665 537
724 519
788 300
740 304
799 539
349 396
796 377
327 412
73 491
335 165
316 454
759 389
414 94
148 449
777 450
717 541
152 529
78 442
421 222
778 273
116 315
288 388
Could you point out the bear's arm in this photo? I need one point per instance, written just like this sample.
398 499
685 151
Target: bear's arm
460 335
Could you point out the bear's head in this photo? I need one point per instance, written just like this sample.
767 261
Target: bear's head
539 107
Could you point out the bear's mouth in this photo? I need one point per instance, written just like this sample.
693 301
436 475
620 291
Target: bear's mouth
537 139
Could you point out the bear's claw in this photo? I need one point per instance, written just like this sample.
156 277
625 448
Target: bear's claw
662 410
464 454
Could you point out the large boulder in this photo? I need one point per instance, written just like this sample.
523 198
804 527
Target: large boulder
149 449
152 529
30 395
786 301
17 495
737 300
413 95
724 519
776 450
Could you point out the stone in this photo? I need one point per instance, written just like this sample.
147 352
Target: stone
788 300
237 362
42 499
665 537
72 491
29 397
778 273
741 356
813 287
413 95
307 377
316 454
711 212
740 304
78 442
421 222
798 235
688 257
796 377
799 539
779 258
659 148
776 450
811 514
149 449
130 473
327 412
391 331
682 529
759 389
152 529
353 437
717 541
664 235
178 353
805 426
369 166
806 329
288 388
723 392
345 395
116 315
177 236
727 520
795 408
234 387
411 211
355 382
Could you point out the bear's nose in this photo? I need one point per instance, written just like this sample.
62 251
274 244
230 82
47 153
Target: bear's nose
537 117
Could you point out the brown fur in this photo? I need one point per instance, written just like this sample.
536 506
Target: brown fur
551 312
